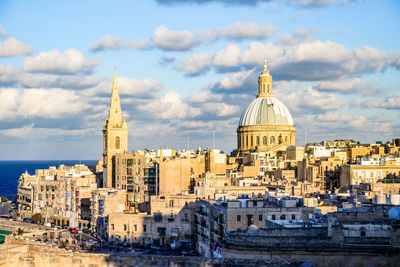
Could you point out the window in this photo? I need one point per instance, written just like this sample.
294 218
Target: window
260 217
273 217
135 227
239 218
112 226
286 139
117 142
283 217
251 140
247 140
264 140
144 227
124 227
272 140
257 141
293 217
171 203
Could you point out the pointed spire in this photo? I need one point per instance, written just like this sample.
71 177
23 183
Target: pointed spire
115 82
115 113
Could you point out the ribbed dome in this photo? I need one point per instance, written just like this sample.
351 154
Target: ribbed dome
266 111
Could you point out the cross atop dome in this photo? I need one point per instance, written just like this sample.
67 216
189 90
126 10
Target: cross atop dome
265 71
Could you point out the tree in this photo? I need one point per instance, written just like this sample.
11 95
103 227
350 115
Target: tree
36 218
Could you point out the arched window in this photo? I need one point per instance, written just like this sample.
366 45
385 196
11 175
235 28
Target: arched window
251 140
242 143
280 139
117 142
247 140
264 140
272 140
257 141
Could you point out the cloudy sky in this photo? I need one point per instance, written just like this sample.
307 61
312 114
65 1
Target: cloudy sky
190 67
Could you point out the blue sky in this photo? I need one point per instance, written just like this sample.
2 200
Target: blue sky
190 68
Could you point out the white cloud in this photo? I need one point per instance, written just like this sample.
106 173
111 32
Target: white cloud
348 85
173 40
110 42
310 3
170 106
169 40
196 64
31 132
39 103
391 102
229 57
12 48
221 109
307 60
238 82
3 33
204 97
71 62
249 30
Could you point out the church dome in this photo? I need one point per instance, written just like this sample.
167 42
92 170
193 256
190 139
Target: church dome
266 125
266 111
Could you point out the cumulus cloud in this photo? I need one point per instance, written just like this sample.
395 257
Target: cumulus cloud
236 83
204 97
173 40
226 2
310 60
143 88
295 3
310 3
169 40
32 132
391 102
249 30
196 64
3 33
39 103
54 62
349 86
170 106
110 42
11 47
222 109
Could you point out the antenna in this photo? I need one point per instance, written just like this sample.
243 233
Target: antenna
305 136
213 139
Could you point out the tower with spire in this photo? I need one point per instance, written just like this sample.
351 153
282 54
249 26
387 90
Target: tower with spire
115 136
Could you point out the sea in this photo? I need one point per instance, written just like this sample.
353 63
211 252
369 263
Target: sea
11 170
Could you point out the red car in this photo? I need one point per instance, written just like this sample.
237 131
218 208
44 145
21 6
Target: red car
73 230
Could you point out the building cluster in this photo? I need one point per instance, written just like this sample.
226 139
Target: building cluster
267 193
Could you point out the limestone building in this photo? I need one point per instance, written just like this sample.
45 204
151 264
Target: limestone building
266 125
115 136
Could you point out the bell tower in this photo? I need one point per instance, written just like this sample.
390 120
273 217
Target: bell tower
115 136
